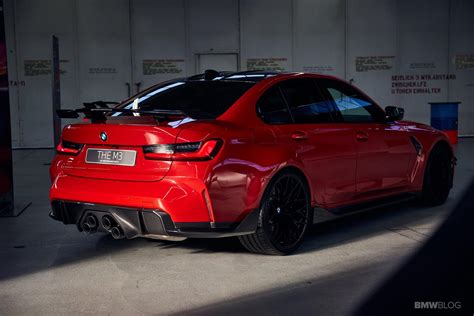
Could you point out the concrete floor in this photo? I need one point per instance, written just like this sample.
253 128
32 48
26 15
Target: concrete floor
49 268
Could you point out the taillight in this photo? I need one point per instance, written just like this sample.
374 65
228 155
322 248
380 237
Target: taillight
184 151
68 148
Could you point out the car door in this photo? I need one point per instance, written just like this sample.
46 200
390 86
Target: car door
303 123
383 148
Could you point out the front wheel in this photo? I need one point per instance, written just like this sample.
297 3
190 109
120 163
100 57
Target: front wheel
285 215
438 177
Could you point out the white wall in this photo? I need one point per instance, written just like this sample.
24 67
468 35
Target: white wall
131 41
461 42
213 28
34 24
104 50
370 34
266 30
423 38
159 33
319 36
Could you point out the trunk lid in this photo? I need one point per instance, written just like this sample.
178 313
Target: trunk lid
123 134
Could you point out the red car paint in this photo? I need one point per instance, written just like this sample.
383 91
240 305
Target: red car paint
344 163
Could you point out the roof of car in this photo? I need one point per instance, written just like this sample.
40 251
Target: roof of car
248 75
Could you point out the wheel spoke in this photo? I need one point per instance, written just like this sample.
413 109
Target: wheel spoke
288 179
290 193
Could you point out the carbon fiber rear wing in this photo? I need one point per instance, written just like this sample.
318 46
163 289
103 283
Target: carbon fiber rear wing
96 111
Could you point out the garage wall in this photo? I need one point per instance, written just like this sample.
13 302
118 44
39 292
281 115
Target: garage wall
406 53
103 49
423 51
266 34
158 38
370 39
319 41
30 76
213 29
461 47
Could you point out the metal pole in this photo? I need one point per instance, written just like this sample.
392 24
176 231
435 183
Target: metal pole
6 164
56 93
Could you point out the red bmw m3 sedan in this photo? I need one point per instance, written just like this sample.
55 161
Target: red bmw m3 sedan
258 155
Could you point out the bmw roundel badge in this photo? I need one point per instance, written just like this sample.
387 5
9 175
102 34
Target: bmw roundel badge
103 136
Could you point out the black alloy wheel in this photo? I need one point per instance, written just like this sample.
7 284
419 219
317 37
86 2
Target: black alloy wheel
285 215
438 176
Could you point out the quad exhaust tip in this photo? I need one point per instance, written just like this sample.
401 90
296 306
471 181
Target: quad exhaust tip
111 225
86 228
117 232
90 225
92 221
108 222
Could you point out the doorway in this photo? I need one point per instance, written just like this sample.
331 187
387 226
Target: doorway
219 62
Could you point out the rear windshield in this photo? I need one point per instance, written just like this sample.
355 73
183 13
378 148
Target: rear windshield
197 99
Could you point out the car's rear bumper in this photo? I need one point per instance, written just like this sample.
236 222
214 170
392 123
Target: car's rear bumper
184 199
148 222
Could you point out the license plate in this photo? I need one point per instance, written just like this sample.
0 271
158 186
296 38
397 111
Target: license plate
111 157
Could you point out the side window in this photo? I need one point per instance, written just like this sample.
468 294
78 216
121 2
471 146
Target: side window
352 105
306 103
272 108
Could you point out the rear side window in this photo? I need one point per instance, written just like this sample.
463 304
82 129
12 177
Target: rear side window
306 103
272 108
198 99
350 103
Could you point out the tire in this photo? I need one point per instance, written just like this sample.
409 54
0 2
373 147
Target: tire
437 180
285 215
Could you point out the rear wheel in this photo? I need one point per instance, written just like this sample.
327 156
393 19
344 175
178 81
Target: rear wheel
438 176
285 215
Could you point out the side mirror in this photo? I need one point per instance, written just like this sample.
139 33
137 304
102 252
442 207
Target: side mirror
393 113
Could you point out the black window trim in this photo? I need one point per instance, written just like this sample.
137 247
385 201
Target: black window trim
128 102
340 117
282 95
257 105
334 108
286 102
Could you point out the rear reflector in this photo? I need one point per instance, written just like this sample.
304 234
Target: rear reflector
184 151
69 148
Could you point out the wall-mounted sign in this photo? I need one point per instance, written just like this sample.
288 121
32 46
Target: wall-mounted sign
464 61
319 69
374 63
16 83
40 67
102 70
269 64
419 83
162 66
422 66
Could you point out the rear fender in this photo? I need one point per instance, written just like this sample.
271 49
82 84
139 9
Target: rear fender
238 181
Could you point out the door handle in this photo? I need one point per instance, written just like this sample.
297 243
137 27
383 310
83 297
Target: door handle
362 136
299 135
